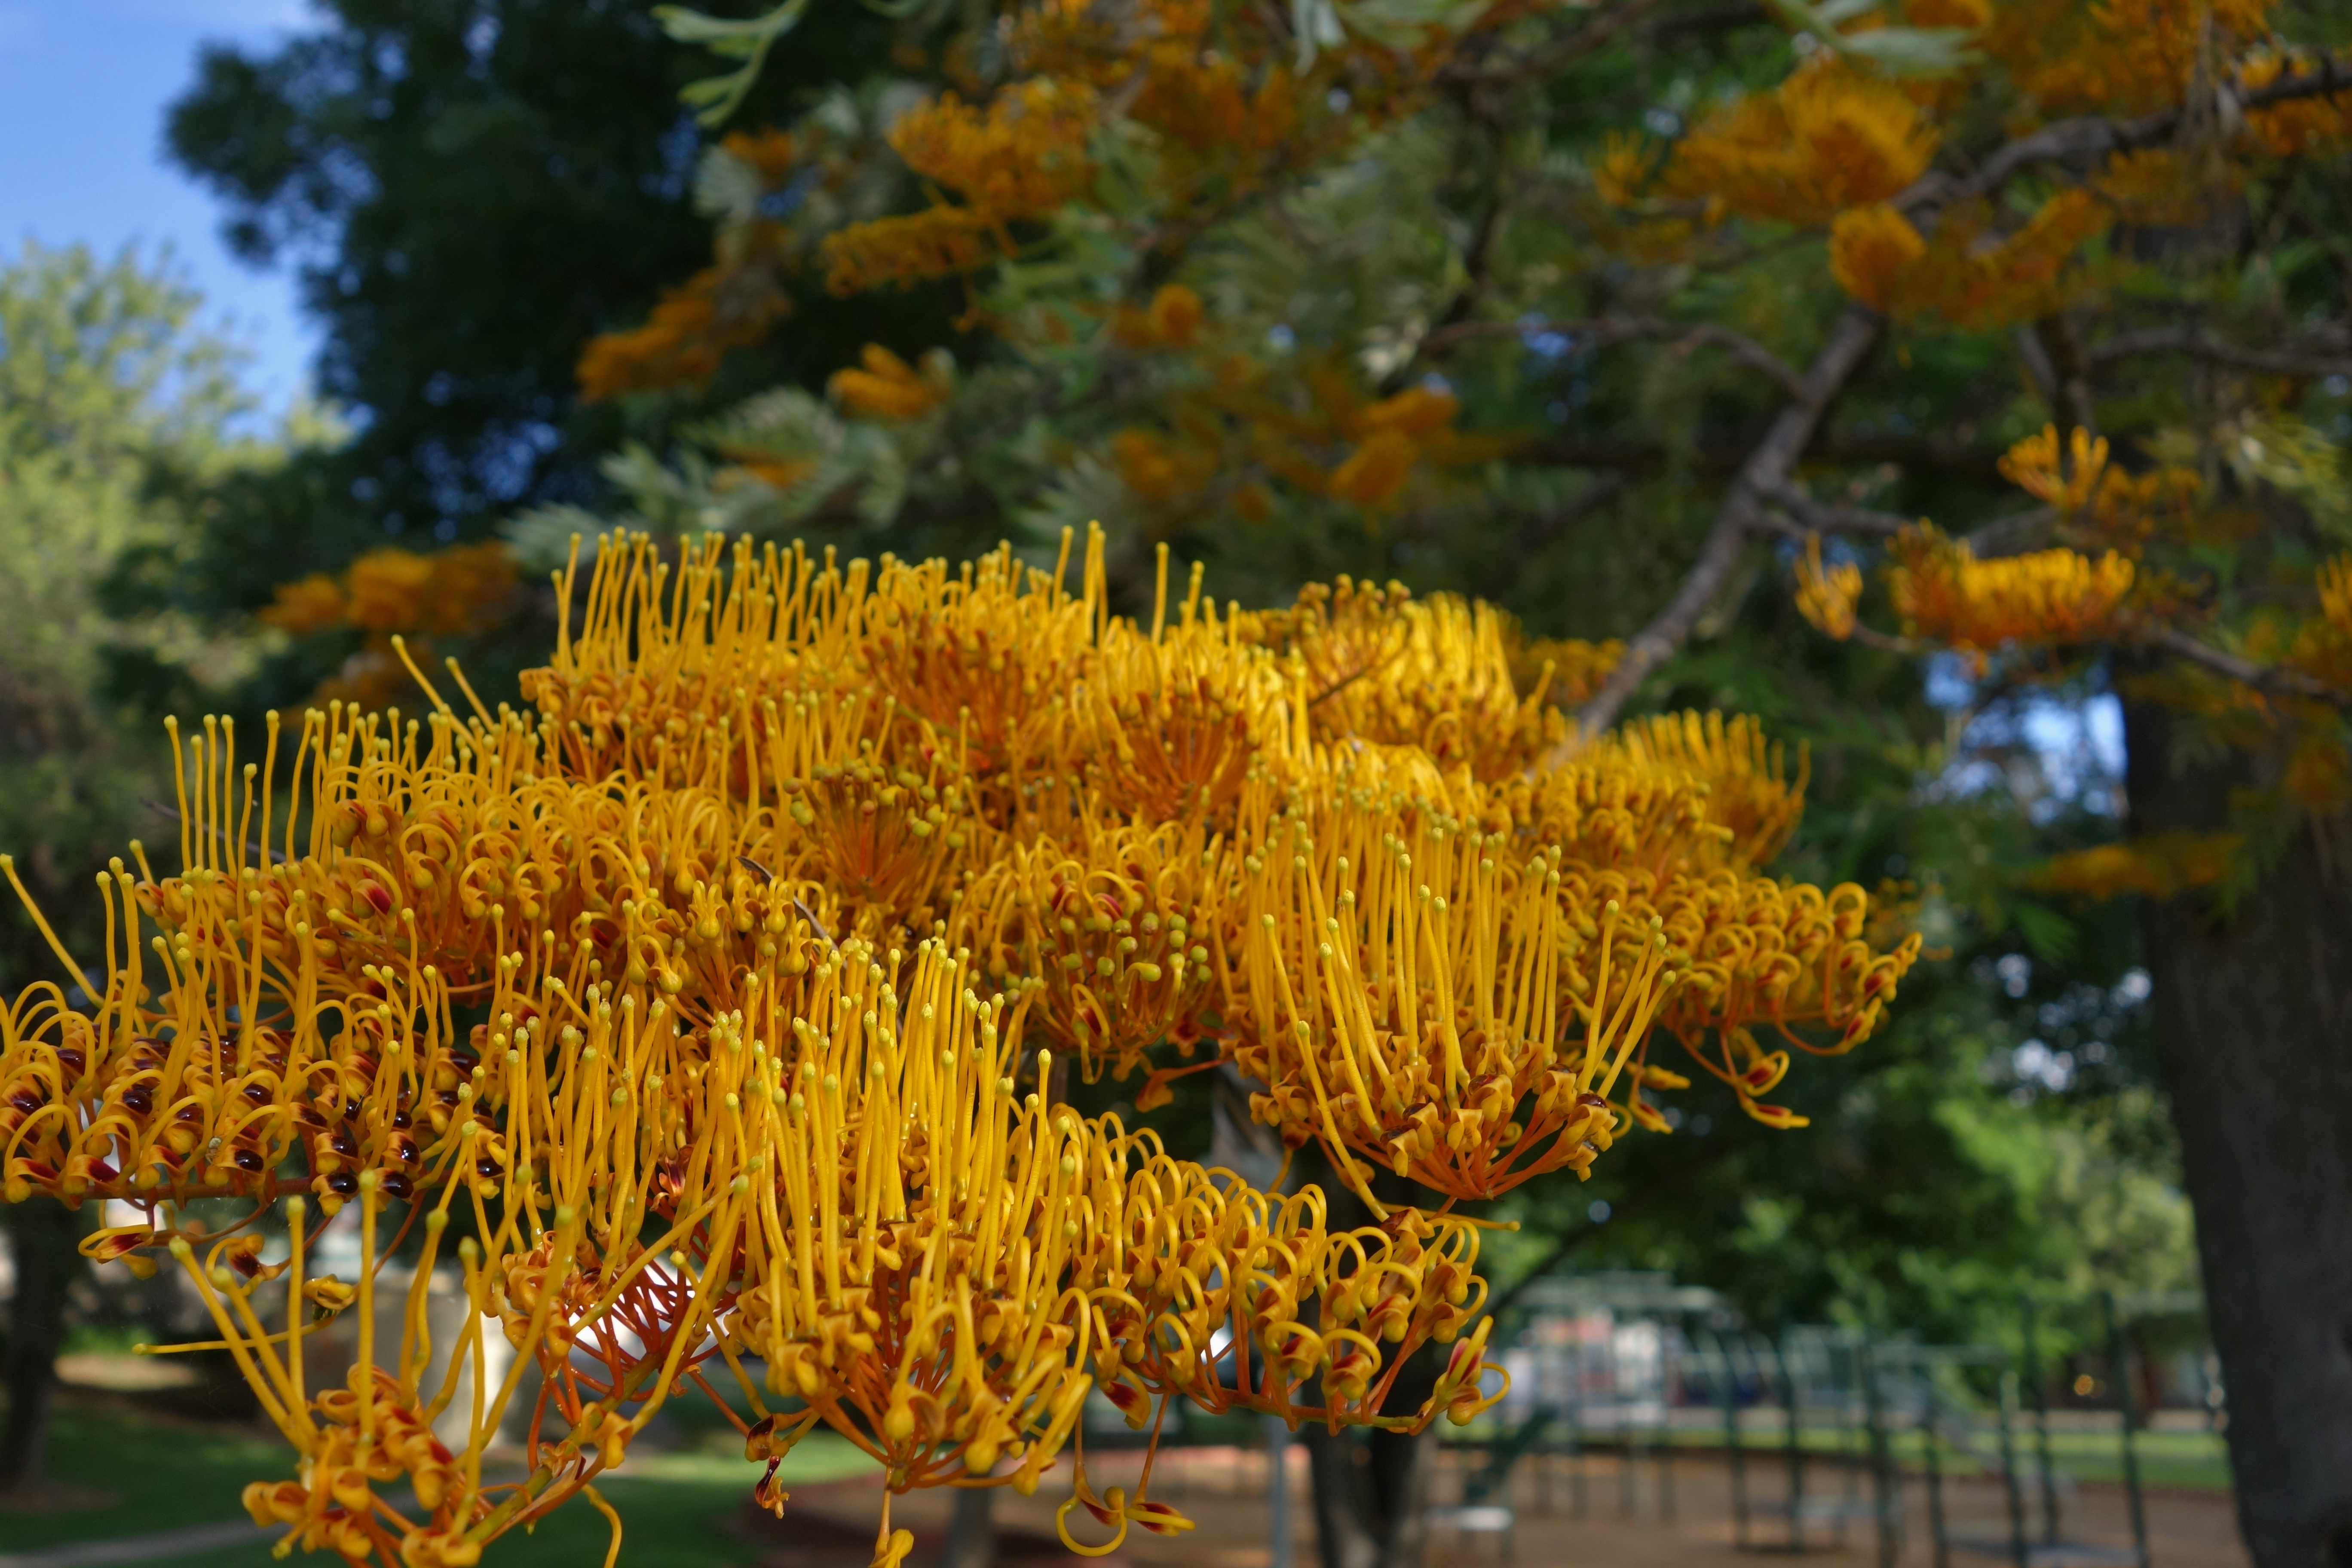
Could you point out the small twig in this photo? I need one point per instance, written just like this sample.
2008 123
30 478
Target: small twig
815 924
2313 360
260 850
2269 677
1805 515
1688 337
1343 684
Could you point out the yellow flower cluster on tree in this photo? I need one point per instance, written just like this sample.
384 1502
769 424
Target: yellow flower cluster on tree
888 387
716 1005
2118 56
2092 497
388 590
2155 866
1828 138
1827 594
2042 599
1970 273
733 303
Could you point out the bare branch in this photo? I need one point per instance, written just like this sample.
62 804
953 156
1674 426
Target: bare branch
1849 341
2090 136
2267 677
1688 338
1799 515
2320 354
2007 535
1559 51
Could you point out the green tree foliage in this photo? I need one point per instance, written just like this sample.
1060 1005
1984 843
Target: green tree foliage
114 408
412 162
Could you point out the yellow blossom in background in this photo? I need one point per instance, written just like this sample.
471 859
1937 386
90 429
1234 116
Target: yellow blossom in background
1871 250
2334 584
1567 670
388 589
1979 279
1172 321
1373 474
1156 468
2156 865
888 387
899 251
312 604
1624 169
1826 595
2095 495
2065 478
772 152
2308 125
1020 156
2044 599
1418 412
692 330
1828 138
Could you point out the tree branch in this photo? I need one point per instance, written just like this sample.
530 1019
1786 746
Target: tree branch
2092 136
1849 341
1689 337
2266 677
2323 355
1801 515
1547 59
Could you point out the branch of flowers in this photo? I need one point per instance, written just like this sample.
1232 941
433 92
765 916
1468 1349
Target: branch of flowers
2328 356
1793 514
2090 136
1849 341
1688 337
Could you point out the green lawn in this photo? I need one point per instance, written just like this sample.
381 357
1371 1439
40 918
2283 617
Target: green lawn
674 1506
2169 1458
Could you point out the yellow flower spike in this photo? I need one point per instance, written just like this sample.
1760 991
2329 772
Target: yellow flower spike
753 1076
2042 599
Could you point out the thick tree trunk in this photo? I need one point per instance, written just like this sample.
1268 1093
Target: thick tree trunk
2254 1027
42 1236
1370 1487
972 1531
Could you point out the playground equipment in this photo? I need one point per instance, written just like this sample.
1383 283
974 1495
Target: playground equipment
1824 1430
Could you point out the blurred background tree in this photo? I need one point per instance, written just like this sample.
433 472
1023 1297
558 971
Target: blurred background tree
118 415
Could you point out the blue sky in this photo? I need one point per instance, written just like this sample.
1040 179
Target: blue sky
83 85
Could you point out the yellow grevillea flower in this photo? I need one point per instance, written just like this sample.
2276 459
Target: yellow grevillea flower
2046 598
714 990
1826 595
1109 936
1744 773
1828 138
2156 865
888 387
1380 666
1871 248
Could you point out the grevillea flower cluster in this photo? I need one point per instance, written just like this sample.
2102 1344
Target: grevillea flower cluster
713 1017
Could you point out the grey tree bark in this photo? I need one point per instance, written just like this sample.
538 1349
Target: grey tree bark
2254 1027
1370 1487
43 1236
